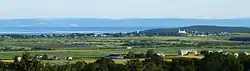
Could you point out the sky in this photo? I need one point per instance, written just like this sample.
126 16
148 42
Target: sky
120 9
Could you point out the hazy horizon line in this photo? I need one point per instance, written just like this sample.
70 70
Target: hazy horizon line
122 18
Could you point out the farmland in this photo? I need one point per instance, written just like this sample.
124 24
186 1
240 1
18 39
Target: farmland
91 48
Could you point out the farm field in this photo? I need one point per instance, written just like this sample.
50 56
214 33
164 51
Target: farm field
81 54
91 48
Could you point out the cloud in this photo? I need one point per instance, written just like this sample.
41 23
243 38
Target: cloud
42 23
74 25
24 25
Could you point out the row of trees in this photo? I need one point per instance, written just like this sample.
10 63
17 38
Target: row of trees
211 62
4 49
132 55
246 39
180 43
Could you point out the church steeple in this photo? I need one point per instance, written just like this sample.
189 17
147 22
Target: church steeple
182 32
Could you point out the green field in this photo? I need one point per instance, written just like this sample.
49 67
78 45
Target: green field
92 48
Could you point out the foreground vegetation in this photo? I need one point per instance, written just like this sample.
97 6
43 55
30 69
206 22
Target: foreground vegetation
211 62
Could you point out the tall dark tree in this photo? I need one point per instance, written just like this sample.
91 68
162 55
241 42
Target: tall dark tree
134 65
245 61
220 62
95 67
130 54
79 66
150 66
45 57
183 64
150 53
28 63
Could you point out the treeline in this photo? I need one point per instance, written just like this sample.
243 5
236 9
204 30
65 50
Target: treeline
23 49
211 62
180 43
11 49
240 39
40 48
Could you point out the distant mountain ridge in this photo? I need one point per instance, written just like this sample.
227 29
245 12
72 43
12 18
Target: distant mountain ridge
90 24
202 28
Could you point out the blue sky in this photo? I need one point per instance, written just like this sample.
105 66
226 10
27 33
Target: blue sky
117 9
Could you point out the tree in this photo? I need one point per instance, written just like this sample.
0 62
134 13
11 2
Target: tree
231 64
183 64
150 53
130 54
134 65
219 62
79 66
28 63
104 64
109 63
45 57
95 67
245 61
150 66
49 67
204 53
67 67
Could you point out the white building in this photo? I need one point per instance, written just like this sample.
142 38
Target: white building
69 58
129 48
19 59
182 31
186 52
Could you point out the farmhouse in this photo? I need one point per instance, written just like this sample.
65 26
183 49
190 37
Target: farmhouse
236 55
69 58
115 56
188 52
161 54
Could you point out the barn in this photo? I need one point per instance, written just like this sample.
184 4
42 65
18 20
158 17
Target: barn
188 52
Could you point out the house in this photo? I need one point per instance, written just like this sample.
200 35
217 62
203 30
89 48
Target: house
54 58
129 48
39 56
236 55
227 53
188 52
219 51
114 56
161 54
19 59
69 58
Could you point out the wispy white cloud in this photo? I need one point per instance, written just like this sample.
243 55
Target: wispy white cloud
74 25
24 25
42 23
